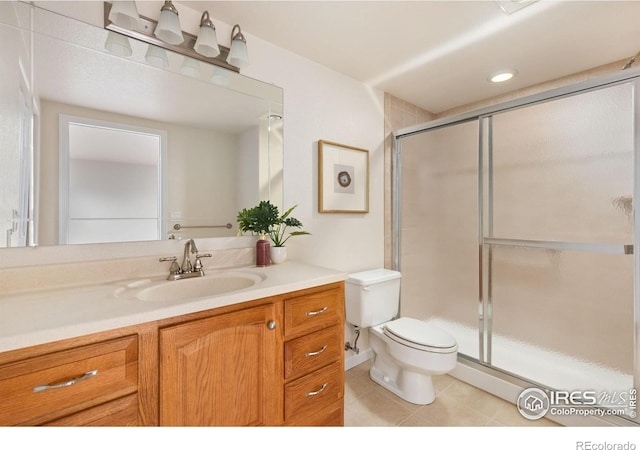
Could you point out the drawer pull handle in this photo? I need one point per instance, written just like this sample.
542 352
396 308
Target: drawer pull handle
71 382
319 391
316 353
315 313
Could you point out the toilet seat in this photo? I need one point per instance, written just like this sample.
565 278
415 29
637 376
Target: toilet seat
419 335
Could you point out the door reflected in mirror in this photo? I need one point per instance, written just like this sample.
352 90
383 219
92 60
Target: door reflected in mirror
110 182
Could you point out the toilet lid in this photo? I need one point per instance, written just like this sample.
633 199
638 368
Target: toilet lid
418 334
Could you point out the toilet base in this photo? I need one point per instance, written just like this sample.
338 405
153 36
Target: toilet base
413 387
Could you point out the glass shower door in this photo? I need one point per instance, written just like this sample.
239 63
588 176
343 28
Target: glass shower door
558 240
438 216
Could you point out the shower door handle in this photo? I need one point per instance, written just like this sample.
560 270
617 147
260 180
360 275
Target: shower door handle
593 247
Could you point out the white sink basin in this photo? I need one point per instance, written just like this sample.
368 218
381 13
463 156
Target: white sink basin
191 288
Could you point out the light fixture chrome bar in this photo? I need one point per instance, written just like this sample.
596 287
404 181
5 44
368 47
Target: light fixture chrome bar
615 249
144 33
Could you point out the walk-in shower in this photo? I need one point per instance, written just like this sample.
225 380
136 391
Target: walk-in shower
514 231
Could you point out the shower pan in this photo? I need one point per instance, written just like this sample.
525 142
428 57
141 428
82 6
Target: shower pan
515 231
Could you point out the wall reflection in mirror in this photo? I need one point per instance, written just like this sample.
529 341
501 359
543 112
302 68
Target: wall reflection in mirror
75 164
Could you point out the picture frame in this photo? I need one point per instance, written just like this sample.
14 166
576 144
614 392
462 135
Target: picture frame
343 178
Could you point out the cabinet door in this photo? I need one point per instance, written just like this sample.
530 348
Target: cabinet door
221 370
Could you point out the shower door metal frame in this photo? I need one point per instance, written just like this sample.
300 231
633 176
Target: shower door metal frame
485 208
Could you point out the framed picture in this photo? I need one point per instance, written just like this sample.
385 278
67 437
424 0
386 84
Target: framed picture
343 178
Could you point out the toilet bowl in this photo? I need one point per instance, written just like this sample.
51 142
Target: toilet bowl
407 351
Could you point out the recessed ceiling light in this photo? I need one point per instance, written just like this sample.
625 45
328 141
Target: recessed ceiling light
504 75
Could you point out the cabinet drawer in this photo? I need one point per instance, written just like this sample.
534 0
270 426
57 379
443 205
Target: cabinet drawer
122 412
44 388
313 392
310 352
332 416
313 311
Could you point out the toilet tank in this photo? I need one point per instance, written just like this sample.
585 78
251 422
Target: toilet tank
372 297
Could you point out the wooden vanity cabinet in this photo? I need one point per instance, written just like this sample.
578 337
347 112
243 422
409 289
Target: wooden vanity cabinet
273 361
278 363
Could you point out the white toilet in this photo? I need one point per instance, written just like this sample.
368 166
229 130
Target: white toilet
407 351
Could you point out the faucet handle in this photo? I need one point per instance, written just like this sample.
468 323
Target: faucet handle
175 268
198 264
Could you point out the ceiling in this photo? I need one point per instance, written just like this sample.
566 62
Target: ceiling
439 54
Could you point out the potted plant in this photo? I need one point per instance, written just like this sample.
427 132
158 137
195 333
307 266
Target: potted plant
264 219
259 219
279 235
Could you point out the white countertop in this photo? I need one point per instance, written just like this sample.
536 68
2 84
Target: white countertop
43 316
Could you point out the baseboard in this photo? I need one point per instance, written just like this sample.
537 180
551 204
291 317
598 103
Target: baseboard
352 359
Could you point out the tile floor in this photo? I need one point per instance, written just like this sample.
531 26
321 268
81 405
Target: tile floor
456 404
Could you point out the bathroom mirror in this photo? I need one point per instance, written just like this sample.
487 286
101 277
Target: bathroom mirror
222 134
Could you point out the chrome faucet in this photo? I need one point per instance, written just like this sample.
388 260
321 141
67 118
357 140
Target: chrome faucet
189 246
188 269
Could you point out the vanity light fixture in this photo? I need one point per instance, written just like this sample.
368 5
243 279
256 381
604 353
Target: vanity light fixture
220 77
144 32
502 76
190 67
207 42
168 28
238 55
118 45
125 14
157 57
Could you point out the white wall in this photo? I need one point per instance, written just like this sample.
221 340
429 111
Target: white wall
320 103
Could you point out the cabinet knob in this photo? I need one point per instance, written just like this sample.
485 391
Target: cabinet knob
271 325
